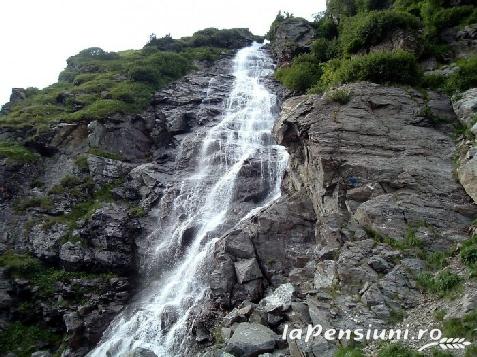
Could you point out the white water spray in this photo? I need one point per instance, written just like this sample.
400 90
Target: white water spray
158 321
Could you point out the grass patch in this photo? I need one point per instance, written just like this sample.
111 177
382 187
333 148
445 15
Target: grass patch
23 340
468 254
22 205
349 352
464 327
16 152
27 267
105 154
341 96
397 350
444 284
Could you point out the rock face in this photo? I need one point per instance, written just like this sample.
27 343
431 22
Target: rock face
81 212
366 182
466 111
292 36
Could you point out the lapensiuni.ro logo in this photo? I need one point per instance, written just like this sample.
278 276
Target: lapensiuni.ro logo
433 337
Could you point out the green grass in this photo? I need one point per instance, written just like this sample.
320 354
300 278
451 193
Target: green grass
23 340
16 152
349 352
397 350
27 267
105 154
443 284
468 254
464 327
22 205
97 84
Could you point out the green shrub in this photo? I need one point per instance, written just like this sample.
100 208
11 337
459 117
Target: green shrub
368 29
323 50
341 96
301 75
397 67
465 77
16 152
445 18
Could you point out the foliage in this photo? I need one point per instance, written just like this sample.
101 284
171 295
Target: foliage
397 350
349 352
368 29
43 202
323 49
23 340
341 96
106 154
301 75
468 254
97 84
461 327
442 284
397 67
16 152
465 77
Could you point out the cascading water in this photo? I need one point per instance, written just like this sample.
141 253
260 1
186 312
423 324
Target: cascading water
201 210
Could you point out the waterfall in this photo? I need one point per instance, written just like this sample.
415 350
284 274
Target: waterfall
158 319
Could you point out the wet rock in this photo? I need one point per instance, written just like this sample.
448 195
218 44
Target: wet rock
250 340
143 352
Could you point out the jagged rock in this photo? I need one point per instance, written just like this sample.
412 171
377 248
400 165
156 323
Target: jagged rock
45 243
104 170
239 245
292 36
462 41
325 275
280 299
127 137
250 340
247 270
466 107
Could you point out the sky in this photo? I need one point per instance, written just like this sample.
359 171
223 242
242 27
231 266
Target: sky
36 37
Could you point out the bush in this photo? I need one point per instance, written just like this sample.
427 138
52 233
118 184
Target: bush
465 77
301 75
368 29
397 67
341 96
323 50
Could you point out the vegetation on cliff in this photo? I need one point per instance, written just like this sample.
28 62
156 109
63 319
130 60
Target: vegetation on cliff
96 83
382 42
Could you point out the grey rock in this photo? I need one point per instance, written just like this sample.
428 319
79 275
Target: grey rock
142 352
247 270
250 340
41 354
325 274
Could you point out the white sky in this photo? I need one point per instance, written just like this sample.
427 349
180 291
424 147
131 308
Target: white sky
37 36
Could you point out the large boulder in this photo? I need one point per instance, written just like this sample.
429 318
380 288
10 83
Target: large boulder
251 340
292 36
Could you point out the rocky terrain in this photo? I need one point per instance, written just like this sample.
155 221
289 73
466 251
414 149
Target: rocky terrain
375 225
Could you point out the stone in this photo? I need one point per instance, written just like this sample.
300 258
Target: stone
250 340
280 299
325 274
41 354
143 352
247 270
